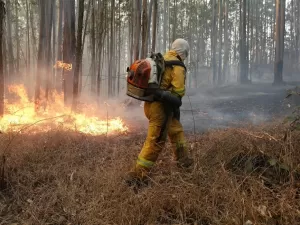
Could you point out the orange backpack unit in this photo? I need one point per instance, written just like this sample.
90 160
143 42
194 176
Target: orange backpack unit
144 76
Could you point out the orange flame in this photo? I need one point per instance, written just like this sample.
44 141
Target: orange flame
62 65
21 116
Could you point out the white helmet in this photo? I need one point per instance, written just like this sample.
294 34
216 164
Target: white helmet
182 48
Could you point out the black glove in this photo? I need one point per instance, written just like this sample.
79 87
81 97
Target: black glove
167 97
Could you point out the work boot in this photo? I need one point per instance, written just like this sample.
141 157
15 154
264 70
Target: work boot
136 177
181 156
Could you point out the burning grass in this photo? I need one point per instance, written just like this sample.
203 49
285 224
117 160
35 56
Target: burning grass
68 178
21 115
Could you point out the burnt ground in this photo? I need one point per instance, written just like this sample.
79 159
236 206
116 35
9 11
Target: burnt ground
232 105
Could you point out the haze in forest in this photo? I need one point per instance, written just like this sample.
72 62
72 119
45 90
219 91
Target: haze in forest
82 48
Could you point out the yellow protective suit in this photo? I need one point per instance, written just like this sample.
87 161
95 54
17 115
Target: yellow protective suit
160 127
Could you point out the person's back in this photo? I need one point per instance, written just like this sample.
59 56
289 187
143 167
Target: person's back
174 77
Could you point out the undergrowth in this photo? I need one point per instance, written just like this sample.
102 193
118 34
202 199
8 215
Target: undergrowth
239 175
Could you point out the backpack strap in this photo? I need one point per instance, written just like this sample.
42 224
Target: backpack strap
172 63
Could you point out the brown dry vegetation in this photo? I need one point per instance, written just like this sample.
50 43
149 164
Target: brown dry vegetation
69 178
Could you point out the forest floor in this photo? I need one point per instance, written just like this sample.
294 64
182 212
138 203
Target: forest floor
241 174
68 178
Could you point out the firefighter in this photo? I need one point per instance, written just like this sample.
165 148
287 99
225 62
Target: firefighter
164 119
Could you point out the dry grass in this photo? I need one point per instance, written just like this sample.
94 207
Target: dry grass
69 178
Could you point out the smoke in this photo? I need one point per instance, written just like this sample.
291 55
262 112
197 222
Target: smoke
233 105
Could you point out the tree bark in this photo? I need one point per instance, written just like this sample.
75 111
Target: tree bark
69 43
220 41
2 18
213 42
243 47
279 49
165 26
137 29
27 39
144 30
9 39
78 54
17 37
226 42
41 52
154 26
111 51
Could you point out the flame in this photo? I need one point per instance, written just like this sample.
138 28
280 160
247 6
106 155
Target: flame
21 116
62 65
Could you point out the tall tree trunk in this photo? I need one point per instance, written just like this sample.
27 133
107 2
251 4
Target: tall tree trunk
2 18
69 43
59 50
93 49
175 21
226 42
17 37
78 54
165 25
144 30
243 48
9 39
154 25
119 50
41 52
137 29
220 41
49 22
27 39
131 32
150 10
111 50
53 40
279 50
214 41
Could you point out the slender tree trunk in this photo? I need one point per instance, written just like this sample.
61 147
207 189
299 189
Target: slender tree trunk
2 18
93 49
175 21
119 51
27 39
243 48
53 41
9 39
49 21
131 32
214 41
150 10
59 50
226 42
154 25
33 33
17 37
69 43
220 41
41 52
280 27
165 26
137 29
144 30
78 54
111 50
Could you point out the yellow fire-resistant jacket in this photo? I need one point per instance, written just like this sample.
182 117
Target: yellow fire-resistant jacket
173 79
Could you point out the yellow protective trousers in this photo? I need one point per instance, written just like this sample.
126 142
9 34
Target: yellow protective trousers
160 126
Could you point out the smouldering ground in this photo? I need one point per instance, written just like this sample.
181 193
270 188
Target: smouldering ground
70 178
